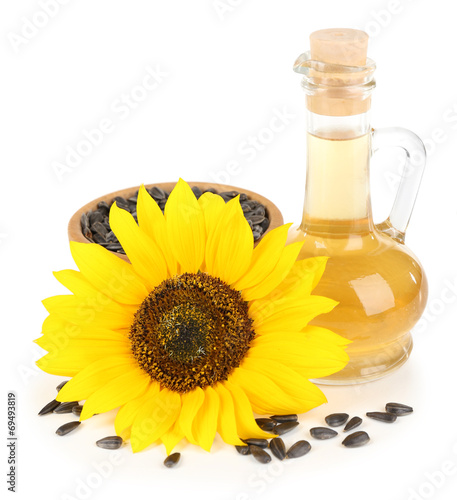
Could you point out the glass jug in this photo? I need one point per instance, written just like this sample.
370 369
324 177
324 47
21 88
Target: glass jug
379 283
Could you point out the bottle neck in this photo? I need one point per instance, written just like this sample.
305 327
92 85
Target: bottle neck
337 198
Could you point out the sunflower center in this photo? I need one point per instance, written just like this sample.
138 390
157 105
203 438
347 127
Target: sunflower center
191 331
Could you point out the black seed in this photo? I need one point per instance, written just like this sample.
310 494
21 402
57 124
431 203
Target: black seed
68 427
352 424
356 439
210 190
298 449
103 208
65 407
76 410
322 433
285 418
172 460
259 454
121 202
84 223
281 429
229 194
49 408
261 443
197 192
382 416
398 409
99 228
265 224
61 385
158 194
256 235
243 197
114 247
265 424
111 237
110 443
133 199
243 450
98 238
336 419
278 448
95 217
256 219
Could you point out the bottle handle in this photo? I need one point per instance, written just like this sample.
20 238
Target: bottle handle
415 155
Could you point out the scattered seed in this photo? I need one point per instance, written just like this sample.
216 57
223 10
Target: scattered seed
61 385
49 408
382 416
322 433
398 409
261 443
172 460
265 424
278 448
259 454
243 450
76 410
68 427
110 443
65 407
352 424
356 439
281 429
336 419
285 418
298 449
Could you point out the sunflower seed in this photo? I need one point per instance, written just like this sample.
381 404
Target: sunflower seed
382 416
336 419
356 439
322 433
398 409
298 449
110 443
95 217
266 424
210 190
229 194
261 443
103 208
172 460
76 410
98 238
114 247
278 448
84 223
285 418
68 427
352 424
243 450
197 192
121 202
65 407
158 193
256 235
259 454
133 199
49 408
111 237
281 429
265 224
61 385
99 228
256 219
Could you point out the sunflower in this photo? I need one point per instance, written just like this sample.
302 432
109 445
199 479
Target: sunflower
197 332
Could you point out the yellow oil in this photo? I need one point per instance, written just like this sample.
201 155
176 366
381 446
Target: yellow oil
379 283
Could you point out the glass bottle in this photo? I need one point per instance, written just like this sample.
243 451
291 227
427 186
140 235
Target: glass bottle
379 283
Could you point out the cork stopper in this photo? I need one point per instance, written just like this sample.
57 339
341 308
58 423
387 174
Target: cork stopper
339 46
342 53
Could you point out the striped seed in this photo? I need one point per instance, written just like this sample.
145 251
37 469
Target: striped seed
356 439
398 409
322 433
352 424
49 408
259 454
243 450
281 429
299 449
65 407
68 427
284 418
382 416
61 385
278 448
261 443
266 424
110 442
172 460
336 419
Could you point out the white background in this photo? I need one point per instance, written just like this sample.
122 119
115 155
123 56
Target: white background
228 69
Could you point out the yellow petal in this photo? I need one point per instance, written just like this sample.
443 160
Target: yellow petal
191 403
185 227
264 257
205 423
126 415
154 419
75 282
288 315
108 273
324 336
146 257
281 270
152 221
100 311
212 206
172 437
245 422
226 423
94 376
116 392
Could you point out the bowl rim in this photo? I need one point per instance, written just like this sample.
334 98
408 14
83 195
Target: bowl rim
74 226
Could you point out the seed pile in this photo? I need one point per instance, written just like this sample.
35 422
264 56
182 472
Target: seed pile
95 224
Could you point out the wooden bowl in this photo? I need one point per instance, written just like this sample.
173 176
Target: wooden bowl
74 226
